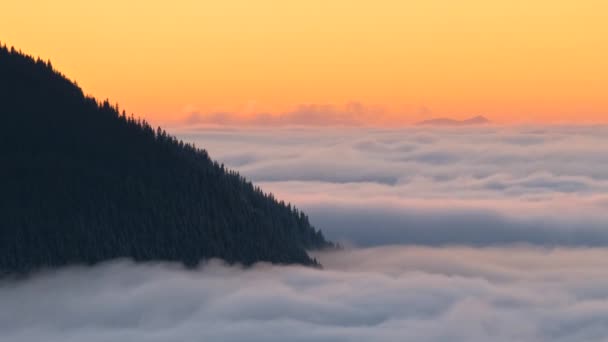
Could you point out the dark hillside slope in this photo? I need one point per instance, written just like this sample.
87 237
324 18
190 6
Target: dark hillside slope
82 183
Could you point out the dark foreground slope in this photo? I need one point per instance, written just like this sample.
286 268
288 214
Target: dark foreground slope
81 183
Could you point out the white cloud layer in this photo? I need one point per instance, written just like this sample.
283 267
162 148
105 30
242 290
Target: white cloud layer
472 185
391 293
523 204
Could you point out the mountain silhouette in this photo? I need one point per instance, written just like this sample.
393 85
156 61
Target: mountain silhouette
82 182
478 120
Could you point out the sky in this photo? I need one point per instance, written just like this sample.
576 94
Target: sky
397 61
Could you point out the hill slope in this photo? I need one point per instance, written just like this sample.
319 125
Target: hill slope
83 183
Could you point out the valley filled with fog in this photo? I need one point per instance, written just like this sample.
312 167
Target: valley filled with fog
449 234
392 293
491 185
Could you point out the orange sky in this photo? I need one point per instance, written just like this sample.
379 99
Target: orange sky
513 61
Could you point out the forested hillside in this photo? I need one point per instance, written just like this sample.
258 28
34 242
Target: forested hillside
82 182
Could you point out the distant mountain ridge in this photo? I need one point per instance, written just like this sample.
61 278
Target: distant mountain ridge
477 120
82 182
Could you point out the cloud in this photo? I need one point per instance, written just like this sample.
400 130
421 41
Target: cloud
411 223
543 185
377 294
472 234
480 234
351 114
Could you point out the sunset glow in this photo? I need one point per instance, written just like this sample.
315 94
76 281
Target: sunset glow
513 61
304 170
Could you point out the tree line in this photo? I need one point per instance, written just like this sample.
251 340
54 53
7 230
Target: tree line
82 182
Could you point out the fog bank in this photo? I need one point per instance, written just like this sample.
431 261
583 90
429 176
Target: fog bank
390 293
490 185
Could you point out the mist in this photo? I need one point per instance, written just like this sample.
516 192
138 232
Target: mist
469 234
391 293
491 185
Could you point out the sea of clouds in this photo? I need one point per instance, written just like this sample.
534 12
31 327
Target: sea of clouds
490 185
452 234
368 294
